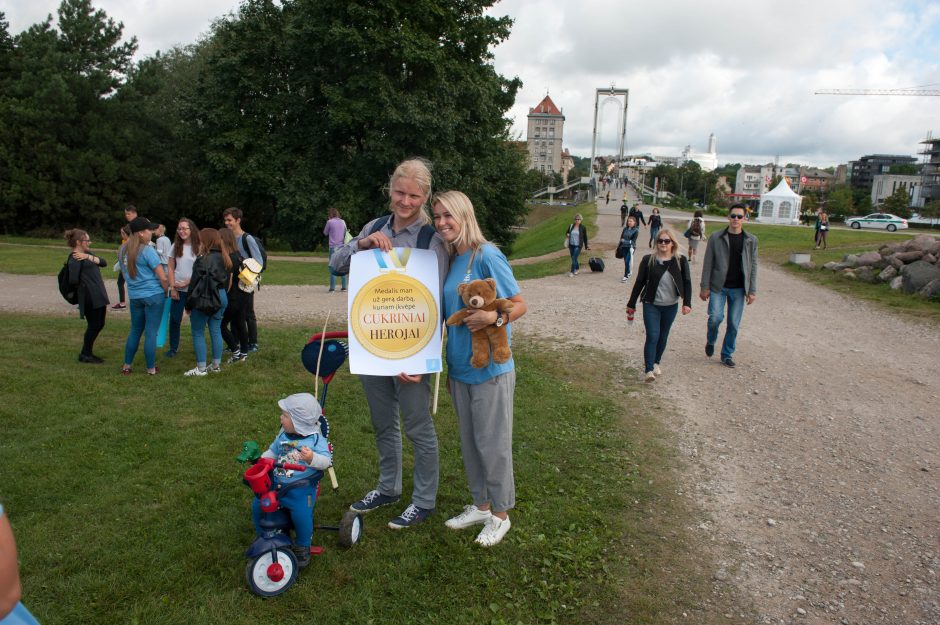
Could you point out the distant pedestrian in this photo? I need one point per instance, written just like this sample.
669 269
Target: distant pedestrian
576 239
695 233
85 272
729 274
335 231
662 280
656 224
624 209
628 247
822 229
608 198
637 213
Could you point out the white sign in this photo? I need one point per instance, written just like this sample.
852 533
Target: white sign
394 312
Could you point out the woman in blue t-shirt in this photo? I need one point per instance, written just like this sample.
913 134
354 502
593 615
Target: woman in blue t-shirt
146 287
482 397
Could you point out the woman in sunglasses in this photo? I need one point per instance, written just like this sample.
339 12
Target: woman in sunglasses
662 280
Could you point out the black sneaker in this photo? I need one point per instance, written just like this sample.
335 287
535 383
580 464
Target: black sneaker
709 349
302 554
90 359
411 516
372 500
727 362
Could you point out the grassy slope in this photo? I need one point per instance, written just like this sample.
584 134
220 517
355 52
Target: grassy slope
547 236
129 508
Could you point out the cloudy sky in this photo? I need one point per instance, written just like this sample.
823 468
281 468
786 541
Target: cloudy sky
746 71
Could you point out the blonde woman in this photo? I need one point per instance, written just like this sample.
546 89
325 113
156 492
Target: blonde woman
662 280
483 398
146 287
85 273
405 397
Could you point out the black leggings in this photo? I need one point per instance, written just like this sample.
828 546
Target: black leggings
121 286
234 320
95 319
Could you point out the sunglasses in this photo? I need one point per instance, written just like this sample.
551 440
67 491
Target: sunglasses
735 216
664 241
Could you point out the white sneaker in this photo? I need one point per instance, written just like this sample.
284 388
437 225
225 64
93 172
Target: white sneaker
570 275
657 370
493 531
650 376
623 279
214 368
471 515
196 371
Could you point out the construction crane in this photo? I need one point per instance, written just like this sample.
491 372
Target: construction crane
909 92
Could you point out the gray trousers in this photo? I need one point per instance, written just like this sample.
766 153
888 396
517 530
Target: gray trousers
386 395
484 412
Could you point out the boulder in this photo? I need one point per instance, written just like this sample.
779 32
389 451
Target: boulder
834 266
850 260
849 273
887 274
894 261
930 258
868 259
886 250
918 274
922 242
867 274
896 283
909 257
808 265
934 249
931 289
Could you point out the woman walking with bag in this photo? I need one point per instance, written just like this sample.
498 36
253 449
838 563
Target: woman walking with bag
576 238
656 224
85 272
695 233
627 247
207 300
146 289
664 278
483 398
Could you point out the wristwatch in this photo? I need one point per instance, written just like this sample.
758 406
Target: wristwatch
500 320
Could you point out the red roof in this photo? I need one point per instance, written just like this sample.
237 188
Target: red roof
546 106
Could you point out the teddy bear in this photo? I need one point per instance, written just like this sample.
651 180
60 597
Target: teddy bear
481 295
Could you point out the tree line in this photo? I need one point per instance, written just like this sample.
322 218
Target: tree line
284 109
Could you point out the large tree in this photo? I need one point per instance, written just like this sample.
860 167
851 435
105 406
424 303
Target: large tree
58 133
307 104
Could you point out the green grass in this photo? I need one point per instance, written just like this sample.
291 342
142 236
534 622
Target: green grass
548 235
128 506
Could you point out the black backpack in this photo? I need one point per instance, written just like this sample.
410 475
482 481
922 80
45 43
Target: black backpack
68 291
247 250
425 235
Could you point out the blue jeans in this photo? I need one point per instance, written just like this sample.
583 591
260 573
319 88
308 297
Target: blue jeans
333 276
176 319
628 262
716 314
653 232
575 251
299 501
146 314
657 320
198 321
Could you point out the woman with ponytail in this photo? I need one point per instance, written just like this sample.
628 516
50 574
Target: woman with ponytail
146 287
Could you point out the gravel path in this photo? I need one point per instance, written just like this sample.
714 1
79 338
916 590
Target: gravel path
815 463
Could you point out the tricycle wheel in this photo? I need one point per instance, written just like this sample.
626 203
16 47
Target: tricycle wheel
350 528
269 578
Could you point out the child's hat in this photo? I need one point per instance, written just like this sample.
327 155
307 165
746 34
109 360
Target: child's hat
304 411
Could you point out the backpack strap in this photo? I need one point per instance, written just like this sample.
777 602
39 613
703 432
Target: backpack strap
425 235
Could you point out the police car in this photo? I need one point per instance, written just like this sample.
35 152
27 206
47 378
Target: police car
885 221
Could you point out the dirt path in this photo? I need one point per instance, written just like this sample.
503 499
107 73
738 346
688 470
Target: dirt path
815 463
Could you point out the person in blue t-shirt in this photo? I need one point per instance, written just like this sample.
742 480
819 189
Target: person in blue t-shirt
299 441
482 397
147 285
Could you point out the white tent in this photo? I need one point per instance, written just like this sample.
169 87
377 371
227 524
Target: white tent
780 205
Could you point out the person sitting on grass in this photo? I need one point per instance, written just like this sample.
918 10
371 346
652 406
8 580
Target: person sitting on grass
299 441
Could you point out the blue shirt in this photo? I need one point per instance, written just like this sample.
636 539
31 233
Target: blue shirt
286 449
146 284
489 262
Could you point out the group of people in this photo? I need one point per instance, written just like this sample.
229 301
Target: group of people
728 283
196 273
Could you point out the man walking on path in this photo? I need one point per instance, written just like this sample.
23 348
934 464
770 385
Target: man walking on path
729 274
623 211
246 245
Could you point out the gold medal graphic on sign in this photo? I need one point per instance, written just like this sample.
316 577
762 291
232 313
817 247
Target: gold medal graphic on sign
393 316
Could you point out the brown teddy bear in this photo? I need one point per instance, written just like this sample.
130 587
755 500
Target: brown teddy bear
481 295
